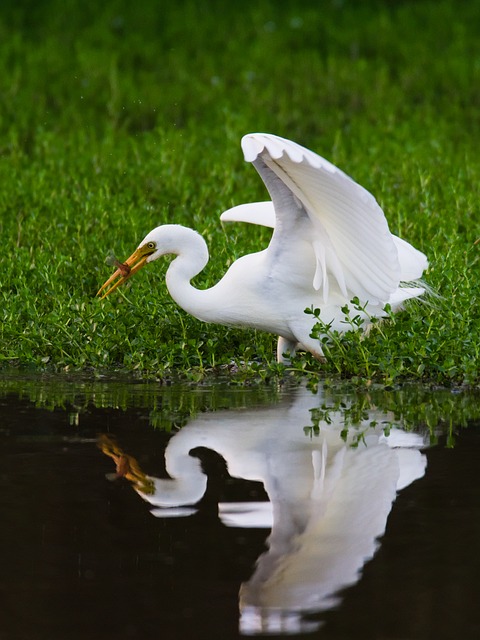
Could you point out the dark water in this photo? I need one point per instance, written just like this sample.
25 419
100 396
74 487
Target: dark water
328 515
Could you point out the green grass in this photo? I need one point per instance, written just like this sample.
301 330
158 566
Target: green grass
438 414
117 117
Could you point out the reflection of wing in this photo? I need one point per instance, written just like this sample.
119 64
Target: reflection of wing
341 221
251 515
340 536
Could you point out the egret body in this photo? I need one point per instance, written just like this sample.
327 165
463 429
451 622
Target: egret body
330 243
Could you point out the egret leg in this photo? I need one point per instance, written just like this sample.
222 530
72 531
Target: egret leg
285 350
314 348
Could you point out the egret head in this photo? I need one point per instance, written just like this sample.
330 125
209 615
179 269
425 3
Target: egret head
168 238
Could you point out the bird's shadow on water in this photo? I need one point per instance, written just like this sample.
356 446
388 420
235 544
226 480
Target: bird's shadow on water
269 502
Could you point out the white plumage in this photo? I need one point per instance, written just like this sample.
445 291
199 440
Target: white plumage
330 243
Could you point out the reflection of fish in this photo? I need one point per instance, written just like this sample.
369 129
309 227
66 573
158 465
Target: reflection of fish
329 501
126 466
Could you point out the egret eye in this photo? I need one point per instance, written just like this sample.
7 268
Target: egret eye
151 245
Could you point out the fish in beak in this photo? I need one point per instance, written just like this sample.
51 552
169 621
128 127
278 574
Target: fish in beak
127 269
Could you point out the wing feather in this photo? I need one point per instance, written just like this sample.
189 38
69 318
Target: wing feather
261 213
349 232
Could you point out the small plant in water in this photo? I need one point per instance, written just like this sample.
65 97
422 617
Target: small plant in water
355 418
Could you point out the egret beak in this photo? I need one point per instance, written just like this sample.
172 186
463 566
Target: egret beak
125 270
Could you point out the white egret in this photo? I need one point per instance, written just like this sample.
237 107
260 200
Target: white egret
330 243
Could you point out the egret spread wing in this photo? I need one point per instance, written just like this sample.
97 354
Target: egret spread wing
412 261
261 213
347 228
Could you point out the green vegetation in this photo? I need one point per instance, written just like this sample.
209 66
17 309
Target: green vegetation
117 116
439 414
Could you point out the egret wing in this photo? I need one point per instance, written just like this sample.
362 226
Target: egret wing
412 261
261 213
348 230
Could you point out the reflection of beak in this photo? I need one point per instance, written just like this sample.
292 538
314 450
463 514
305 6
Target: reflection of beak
125 270
126 465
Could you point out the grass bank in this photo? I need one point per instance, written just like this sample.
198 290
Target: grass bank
115 118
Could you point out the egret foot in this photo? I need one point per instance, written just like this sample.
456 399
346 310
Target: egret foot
285 350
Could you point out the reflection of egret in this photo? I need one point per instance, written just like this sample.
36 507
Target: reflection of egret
331 243
329 501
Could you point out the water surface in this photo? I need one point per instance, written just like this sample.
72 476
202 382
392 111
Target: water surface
135 510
